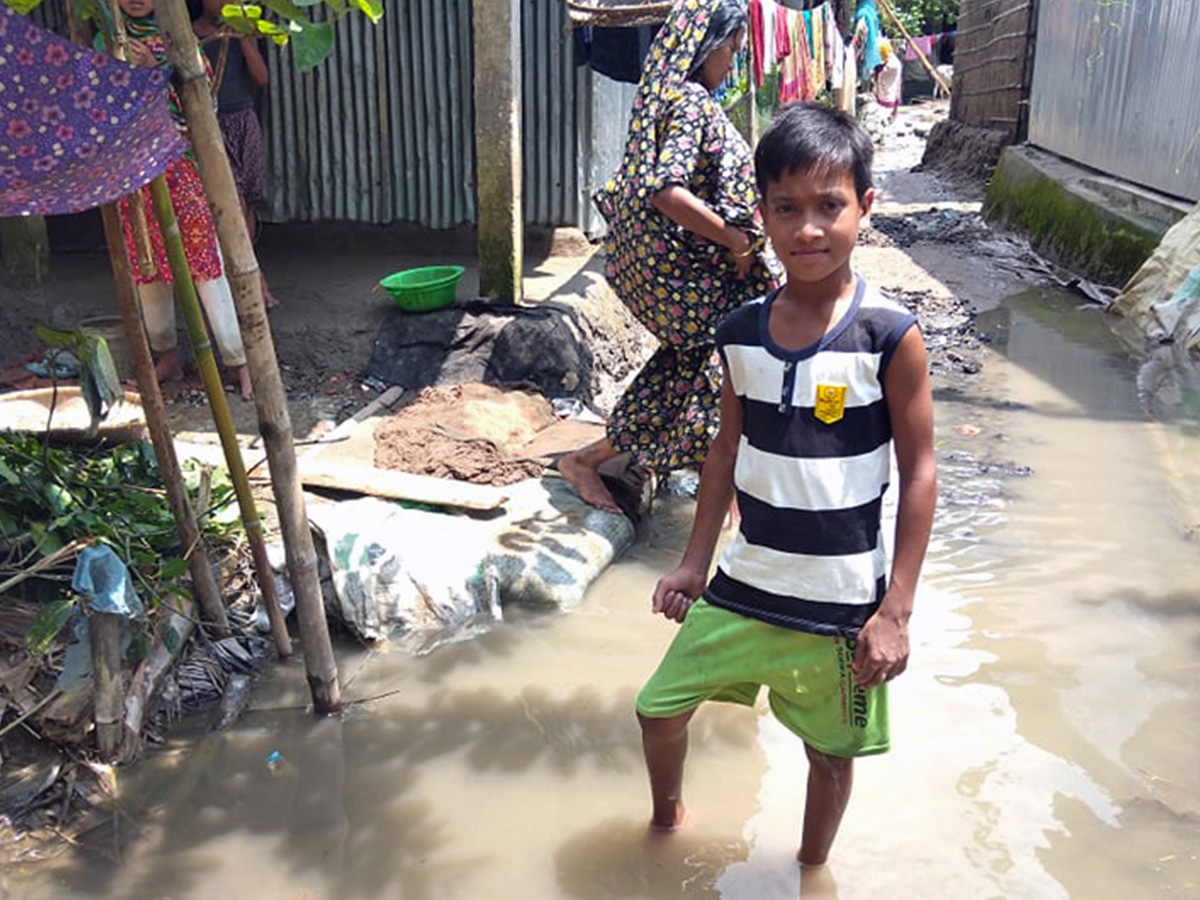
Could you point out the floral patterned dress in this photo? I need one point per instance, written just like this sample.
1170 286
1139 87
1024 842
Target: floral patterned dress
677 284
187 197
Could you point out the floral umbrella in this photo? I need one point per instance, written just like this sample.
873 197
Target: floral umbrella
78 129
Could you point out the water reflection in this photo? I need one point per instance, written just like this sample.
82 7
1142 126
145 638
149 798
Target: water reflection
1044 736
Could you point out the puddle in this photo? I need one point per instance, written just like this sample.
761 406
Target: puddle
1044 735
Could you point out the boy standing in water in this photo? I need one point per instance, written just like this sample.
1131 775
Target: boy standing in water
821 378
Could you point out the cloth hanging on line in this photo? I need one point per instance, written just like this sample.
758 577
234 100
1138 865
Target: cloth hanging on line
783 38
793 82
866 35
81 129
757 40
923 42
818 43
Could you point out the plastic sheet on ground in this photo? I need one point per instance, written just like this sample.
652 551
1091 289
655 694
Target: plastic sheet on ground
1163 297
398 570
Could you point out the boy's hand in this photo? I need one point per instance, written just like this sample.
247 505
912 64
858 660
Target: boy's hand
882 651
675 593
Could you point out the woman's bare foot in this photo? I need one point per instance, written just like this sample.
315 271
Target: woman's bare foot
581 469
245 388
587 483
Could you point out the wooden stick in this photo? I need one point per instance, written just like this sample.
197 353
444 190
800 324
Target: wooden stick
50 697
270 399
104 629
148 676
46 562
904 31
206 362
204 584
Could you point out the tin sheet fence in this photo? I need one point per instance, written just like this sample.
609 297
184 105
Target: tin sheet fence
1116 87
383 130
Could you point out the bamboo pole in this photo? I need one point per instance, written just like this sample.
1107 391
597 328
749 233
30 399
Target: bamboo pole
270 400
104 629
904 31
204 585
206 362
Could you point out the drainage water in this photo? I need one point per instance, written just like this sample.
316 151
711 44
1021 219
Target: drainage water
1044 735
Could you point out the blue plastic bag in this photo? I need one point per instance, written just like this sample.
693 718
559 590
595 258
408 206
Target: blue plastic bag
103 579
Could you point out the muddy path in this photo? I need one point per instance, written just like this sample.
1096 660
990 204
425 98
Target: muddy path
1043 735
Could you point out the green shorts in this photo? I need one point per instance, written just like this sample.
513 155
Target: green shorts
721 655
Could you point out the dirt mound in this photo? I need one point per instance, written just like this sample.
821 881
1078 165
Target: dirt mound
468 432
963 151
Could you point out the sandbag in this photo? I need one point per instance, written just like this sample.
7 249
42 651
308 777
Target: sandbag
399 570
1163 296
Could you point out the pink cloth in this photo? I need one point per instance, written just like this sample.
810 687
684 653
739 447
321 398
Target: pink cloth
925 42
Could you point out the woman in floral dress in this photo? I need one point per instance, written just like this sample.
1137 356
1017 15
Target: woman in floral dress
683 245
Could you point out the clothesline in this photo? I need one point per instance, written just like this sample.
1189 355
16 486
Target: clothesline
805 45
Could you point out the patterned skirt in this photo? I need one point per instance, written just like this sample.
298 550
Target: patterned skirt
669 415
195 227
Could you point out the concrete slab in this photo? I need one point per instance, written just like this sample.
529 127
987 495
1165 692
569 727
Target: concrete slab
1094 224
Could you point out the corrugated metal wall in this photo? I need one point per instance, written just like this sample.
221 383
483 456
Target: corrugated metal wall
1116 87
990 64
383 130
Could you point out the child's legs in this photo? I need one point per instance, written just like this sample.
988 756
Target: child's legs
158 312
708 660
814 695
217 299
830 779
664 742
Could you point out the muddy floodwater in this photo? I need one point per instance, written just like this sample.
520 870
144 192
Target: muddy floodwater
1045 736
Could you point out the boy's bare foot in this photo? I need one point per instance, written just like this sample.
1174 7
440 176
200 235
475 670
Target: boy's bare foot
587 483
674 822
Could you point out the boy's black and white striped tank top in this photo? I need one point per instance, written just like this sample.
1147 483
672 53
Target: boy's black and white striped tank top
812 467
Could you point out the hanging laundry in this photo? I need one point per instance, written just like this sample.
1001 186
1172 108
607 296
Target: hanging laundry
924 43
800 36
818 40
835 48
783 40
796 80
757 41
866 36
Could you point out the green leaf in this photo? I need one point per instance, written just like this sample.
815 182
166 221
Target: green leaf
286 9
8 474
171 638
48 622
46 541
139 647
309 2
52 337
104 371
372 9
174 567
312 44
58 497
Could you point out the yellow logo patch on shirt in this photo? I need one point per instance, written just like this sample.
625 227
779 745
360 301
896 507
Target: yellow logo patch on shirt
831 403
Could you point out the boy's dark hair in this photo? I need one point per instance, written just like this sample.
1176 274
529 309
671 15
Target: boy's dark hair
805 136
